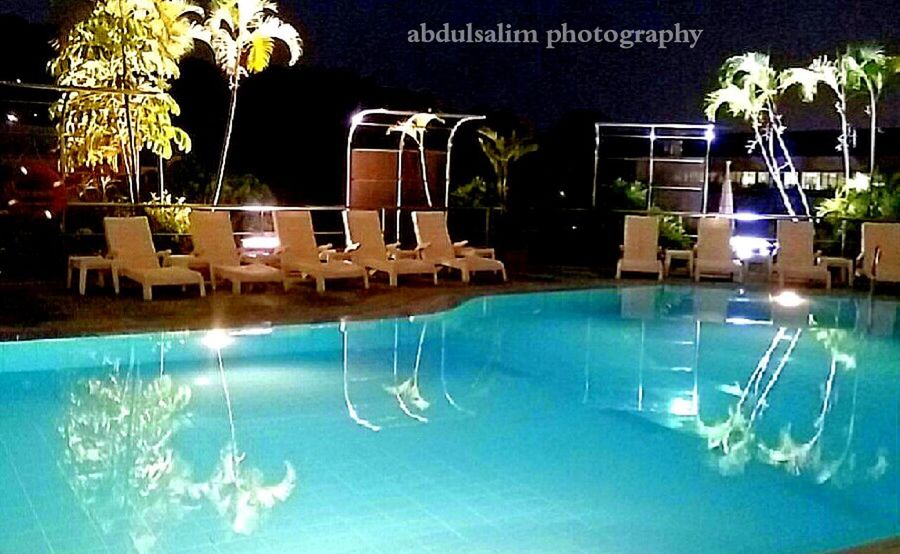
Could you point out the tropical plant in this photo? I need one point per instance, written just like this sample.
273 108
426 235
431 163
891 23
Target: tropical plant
474 194
870 69
120 62
861 198
242 35
749 89
632 195
414 127
502 151
169 216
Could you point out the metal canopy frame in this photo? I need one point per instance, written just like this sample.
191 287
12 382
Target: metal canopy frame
653 133
370 118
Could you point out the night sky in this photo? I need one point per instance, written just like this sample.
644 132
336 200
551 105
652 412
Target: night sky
644 83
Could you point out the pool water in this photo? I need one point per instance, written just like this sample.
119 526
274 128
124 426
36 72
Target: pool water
641 419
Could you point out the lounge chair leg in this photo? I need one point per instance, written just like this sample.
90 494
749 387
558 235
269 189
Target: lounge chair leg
466 277
148 292
828 281
202 288
435 277
392 279
287 284
236 287
320 285
619 270
503 272
212 278
366 281
115 280
82 280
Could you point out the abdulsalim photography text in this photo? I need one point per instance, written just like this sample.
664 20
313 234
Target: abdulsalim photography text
563 34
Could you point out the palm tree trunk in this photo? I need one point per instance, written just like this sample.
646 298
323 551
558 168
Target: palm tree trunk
845 138
424 174
228 407
220 174
773 170
132 178
873 105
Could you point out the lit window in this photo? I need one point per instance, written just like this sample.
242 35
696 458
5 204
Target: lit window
790 178
812 180
747 178
762 177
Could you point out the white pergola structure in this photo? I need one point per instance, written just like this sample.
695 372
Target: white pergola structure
660 150
448 123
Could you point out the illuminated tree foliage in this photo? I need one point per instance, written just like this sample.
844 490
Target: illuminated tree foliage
242 35
749 89
132 46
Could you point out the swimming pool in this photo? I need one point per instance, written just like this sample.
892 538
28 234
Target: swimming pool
640 419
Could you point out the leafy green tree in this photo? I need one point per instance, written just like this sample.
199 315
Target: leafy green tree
749 89
502 151
120 62
242 35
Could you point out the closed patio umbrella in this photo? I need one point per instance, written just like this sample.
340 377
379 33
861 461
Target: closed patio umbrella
726 199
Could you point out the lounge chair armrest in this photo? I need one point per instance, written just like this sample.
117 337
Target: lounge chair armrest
421 247
163 257
460 243
326 247
353 246
405 254
335 256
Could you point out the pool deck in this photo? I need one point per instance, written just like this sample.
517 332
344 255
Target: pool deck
47 310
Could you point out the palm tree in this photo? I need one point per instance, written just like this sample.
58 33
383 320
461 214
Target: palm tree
869 69
836 75
415 128
749 89
502 151
242 35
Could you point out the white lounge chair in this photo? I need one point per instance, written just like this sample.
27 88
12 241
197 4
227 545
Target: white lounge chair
640 251
435 246
713 253
130 246
796 257
880 256
301 255
880 244
366 243
213 239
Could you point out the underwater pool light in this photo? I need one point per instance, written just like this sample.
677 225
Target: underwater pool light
788 299
216 339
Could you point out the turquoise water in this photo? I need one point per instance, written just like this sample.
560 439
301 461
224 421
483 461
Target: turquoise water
646 419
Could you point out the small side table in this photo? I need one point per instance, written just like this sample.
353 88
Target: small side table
765 260
686 255
843 265
83 264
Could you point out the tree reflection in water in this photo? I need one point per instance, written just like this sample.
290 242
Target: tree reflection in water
735 443
122 466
